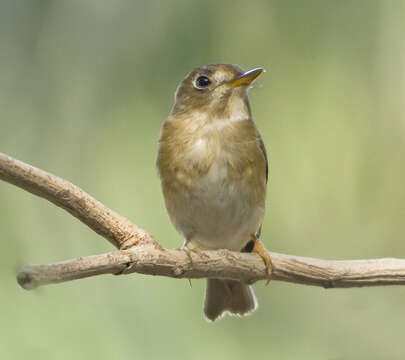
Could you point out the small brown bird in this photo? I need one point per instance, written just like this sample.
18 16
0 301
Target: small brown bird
213 168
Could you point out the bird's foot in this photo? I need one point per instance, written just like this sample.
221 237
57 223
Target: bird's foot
187 250
185 247
261 251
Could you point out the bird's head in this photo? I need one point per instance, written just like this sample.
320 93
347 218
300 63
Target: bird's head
216 90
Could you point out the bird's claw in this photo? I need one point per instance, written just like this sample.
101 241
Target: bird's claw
260 250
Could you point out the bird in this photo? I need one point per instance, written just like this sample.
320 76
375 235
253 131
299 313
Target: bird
213 168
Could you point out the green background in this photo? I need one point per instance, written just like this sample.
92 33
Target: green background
84 87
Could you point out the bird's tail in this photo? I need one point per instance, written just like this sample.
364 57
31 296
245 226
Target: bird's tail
228 295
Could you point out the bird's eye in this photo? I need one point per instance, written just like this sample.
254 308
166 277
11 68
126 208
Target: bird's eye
202 81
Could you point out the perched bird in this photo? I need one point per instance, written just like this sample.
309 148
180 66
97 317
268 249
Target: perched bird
213 169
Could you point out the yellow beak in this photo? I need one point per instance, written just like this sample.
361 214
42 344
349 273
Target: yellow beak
245 79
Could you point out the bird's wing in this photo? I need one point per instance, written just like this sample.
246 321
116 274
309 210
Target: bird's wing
263 149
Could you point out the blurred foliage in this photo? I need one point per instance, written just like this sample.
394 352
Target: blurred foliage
84 87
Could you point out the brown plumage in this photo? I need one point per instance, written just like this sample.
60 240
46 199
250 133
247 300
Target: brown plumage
213 169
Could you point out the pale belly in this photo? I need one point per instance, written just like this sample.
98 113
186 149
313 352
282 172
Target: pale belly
216 213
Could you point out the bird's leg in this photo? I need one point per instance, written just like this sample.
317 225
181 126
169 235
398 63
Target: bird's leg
185 244
185 248
259 249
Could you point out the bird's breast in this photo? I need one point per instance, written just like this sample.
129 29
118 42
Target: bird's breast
218 156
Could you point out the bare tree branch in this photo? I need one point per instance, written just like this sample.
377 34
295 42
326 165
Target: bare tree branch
115 228
220 264
150 258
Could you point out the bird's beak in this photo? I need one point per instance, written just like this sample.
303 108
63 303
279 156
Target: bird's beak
245 79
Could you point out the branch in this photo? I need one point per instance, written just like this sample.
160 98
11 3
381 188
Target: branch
115 228
220 264
150 258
